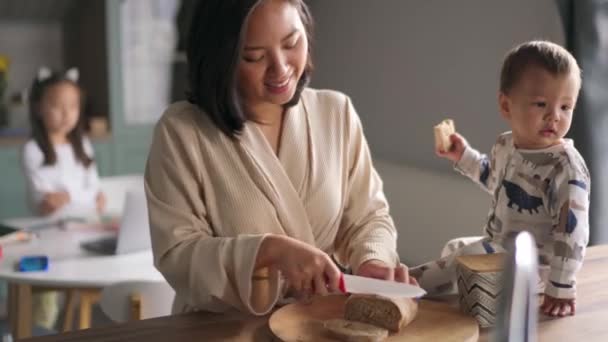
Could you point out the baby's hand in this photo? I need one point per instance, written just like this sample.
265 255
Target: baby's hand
459 144
558 307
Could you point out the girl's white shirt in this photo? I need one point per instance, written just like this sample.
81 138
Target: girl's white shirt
68 174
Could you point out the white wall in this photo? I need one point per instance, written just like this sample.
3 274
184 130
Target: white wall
30 45
407 64
430 208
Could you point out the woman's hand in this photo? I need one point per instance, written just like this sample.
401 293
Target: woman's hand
558 307
307 269
380 270
459 144
100 202
54 201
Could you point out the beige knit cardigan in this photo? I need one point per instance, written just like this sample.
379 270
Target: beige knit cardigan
212 199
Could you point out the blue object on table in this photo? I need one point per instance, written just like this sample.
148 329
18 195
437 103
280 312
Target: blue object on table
33 263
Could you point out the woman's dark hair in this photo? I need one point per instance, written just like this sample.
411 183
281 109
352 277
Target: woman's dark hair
214 43
38 129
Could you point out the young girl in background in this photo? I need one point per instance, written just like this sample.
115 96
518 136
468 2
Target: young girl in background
58 163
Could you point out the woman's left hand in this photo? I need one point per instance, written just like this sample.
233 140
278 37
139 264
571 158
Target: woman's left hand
380 270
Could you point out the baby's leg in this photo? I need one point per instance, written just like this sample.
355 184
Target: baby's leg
458 243
438 277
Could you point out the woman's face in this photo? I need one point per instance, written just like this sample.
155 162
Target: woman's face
274 54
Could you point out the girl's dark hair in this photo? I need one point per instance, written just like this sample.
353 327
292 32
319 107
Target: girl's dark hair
213 48
38 129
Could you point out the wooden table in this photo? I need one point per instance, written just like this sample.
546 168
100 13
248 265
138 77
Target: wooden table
588 324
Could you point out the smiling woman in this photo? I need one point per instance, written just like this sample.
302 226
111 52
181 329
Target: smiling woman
220 75
258 180
274 59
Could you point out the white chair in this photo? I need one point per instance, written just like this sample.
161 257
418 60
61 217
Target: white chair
115 189
134 300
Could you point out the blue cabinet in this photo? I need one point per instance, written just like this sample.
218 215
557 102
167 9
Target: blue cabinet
103 158
13 201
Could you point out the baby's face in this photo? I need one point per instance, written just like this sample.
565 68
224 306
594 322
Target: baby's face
539 107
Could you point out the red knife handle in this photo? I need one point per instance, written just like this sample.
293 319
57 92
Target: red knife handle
342 285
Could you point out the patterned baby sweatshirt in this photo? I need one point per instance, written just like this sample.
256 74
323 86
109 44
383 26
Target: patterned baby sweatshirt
545 192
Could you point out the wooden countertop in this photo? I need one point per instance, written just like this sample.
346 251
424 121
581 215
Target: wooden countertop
587 325
193 327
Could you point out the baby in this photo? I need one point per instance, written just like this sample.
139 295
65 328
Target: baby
538 180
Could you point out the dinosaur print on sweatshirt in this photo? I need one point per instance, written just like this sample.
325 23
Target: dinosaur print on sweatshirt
565 251
521 198
536 160
535 181
544 159
578 183
485 172
567 217
567 220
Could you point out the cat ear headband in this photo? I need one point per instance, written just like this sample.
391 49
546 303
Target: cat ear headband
44 73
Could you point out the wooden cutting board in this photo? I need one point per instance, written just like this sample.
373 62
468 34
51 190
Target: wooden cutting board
435 322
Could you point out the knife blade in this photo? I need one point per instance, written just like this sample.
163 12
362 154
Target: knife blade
364 285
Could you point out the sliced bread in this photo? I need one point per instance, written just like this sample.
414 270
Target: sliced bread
390 313
442 131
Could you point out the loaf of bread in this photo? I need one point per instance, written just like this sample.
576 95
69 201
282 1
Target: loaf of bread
390 313
443 130
349 331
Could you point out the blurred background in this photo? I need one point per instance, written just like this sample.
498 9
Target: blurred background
406 65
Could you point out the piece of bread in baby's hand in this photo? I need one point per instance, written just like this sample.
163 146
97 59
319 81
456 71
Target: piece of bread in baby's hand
390 313
443 130
349 331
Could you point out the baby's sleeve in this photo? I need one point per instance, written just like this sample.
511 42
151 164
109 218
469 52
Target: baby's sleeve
480 168
569 206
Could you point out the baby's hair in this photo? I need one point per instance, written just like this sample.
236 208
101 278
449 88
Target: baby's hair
538 53
43 82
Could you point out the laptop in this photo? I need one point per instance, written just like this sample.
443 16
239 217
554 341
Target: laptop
134 232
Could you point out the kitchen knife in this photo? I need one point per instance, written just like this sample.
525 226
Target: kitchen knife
364 285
